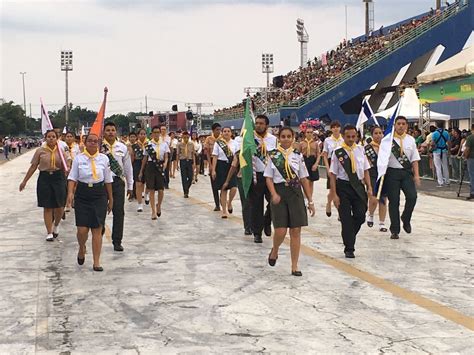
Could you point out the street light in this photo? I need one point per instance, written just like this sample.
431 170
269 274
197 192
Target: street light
66 65
267 65
303 38
24 95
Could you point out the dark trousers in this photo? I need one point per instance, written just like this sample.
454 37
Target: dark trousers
352 211
201 164
257 194
215 192
186 168
118 193
396 180
245 203
167 173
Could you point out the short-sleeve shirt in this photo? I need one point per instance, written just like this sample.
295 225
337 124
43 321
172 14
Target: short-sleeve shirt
164 149
470 144
81 170
270 144
42 157
410 150
220 154
362 164
441 144
297 165
330 144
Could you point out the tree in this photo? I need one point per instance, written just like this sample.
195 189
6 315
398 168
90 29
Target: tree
12 119
78 116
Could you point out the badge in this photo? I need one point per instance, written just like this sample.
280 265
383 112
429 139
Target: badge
341 159
90 184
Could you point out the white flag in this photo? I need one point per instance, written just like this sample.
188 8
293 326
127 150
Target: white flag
365 114
45 121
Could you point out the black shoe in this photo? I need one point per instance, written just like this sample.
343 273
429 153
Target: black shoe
328 214
394 236
230 210
268 230
80 261
55 235
406 226
97 268
248 231
296 273
64 216
118 247
216 209
147 202
370 224
186 196
349 254
272 262
257 238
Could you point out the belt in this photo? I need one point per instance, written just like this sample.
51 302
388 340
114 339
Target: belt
50 172
80 183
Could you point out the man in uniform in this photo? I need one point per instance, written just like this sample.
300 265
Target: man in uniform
187 162
165 138
331 143
349 168
311 154
121 166
209 144
402 174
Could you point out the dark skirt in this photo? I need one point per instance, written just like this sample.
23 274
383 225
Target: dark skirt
51 189
291 211
309 162
373 181
174 154
154 177
90 205
222 170
328 180
137 165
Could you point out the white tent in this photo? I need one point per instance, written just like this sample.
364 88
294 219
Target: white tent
459 65
411 109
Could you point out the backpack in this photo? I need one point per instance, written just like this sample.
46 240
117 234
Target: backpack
434 144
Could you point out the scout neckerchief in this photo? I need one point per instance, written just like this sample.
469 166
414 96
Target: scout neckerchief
186 148
52 153
71 150
221 142
398 152
92 160
308 146
260 141
348 163
114 164
281 159
371 153
154 153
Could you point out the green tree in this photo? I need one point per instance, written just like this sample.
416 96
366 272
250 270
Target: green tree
12 119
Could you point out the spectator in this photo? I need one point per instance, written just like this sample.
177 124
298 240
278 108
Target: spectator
469 156
440 144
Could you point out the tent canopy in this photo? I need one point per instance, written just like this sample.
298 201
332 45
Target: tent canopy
411 108
459 65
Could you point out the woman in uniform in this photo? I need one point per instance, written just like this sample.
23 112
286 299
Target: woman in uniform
72 145
137 154
223 153
197 151
90 187
372 151
51 185
285 174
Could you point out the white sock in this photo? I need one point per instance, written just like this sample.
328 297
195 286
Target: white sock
50 235
370 218
55 229
147 197
140 205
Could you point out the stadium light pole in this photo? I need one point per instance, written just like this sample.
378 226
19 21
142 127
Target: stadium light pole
303 38
24 95
267 68
66 66
369 16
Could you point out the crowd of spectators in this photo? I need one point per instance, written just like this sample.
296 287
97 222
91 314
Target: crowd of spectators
12 146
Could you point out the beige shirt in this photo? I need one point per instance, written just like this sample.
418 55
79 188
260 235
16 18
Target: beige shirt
184 152
42 157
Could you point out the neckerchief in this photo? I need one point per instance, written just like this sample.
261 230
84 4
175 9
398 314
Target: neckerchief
401 137
286 154
350 149
92 160
114 164
52 153
263 147
308 146
71 150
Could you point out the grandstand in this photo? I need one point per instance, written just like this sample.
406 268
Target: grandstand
332 85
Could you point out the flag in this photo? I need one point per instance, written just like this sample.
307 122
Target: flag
65 130
385 148
98 125
46 125
365 114
248 149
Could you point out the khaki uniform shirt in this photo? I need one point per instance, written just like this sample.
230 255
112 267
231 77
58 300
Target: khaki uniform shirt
185 150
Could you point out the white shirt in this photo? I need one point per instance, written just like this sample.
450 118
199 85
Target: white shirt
122 155
219 153
167 140
197 147
75 150
410 150
164 149
81 170
362 164
270 144
174 143
330 144
296 163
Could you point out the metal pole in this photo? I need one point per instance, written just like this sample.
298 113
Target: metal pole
146 104
438 4
366 18
346 20
302 54
67 100
30 109
24 96
268 79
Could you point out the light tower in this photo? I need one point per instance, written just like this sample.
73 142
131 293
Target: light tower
66 65
303 38
267 65
369 16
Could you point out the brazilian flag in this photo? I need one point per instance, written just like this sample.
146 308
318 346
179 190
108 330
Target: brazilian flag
248 149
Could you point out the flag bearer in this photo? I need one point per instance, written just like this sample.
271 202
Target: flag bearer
187 162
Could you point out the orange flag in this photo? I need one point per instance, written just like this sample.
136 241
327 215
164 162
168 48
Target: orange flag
98 126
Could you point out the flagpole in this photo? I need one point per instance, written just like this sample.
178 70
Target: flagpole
380 187
105 103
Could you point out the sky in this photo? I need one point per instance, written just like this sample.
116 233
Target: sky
170 51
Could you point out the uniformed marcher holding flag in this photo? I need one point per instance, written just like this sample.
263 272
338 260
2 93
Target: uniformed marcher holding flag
121 167
402 174
187 162
349 169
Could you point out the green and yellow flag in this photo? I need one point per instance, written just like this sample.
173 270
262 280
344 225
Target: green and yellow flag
247 149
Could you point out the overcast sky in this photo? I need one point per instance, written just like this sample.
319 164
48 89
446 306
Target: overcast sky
181 51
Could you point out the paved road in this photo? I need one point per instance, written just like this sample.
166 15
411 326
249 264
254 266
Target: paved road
191 282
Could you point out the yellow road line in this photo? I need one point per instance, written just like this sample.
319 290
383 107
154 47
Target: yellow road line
400 292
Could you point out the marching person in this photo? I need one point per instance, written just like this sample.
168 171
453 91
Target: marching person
258 191
90 187
121 167
349 168
51 186
197 154
309 147
165 138
187 162
222 155
156 157
173 153
331 143
371 152
138 150
73 147
209 146
402 174
285 174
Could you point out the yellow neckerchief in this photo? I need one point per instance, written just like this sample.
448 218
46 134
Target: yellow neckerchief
308 148
351 154
157 148
110 146
71 149
375 144
185 148
401 137
92 160
262 143
286 153
53 156
340 139
140 144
